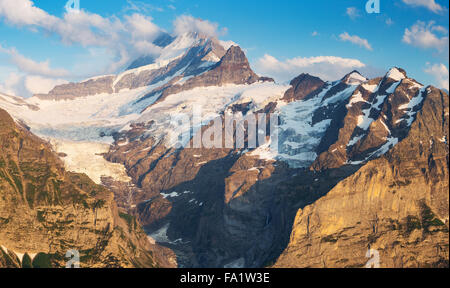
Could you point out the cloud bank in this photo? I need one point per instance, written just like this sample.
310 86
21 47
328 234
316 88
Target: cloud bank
126 37
440 74
426 36
186 23
328 68
428 4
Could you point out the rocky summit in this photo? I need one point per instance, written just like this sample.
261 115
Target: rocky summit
105 167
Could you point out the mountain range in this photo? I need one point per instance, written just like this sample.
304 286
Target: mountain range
360 164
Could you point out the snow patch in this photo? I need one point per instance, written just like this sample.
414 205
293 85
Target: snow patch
356 99
354 140
410 107
370 87
236 264
395 74
171 195
160 235
355 79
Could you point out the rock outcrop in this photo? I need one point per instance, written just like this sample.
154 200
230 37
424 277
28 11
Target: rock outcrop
233 68
46 211
200 57
228 207
74 90
397 204
302 86
376 117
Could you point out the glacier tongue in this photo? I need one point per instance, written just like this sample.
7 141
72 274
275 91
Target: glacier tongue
85 157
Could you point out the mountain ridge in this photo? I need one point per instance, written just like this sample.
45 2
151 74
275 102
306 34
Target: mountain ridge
236 207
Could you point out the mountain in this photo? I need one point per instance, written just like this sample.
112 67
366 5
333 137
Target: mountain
397 204
189 54
46 211
162 41
244 206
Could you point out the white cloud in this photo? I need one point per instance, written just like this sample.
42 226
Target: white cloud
30 66
23 12
41 85
27 85
38 68
352 12
315 33
429 4
421 35
13 85
127 38
88 29
326 67
440 74
440 29
227 44
356 40
187 23
142 27
143 33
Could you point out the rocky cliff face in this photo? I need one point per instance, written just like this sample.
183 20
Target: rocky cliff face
233 68
397 204
235 207
74 90
376 117
46 211
328 131
302 86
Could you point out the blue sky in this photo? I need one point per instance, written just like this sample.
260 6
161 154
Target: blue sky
39 47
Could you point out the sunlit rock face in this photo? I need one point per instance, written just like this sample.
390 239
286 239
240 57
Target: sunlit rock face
236 206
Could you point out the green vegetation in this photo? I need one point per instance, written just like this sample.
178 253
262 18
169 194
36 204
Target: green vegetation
329 239
394 224
40 216
98 204
26 261
30 194
3 176
372 238
42 260
429 219
426 220
131 220
400 183
15 174
412 223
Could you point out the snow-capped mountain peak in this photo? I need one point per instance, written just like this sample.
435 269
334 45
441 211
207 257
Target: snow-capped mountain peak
396 74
